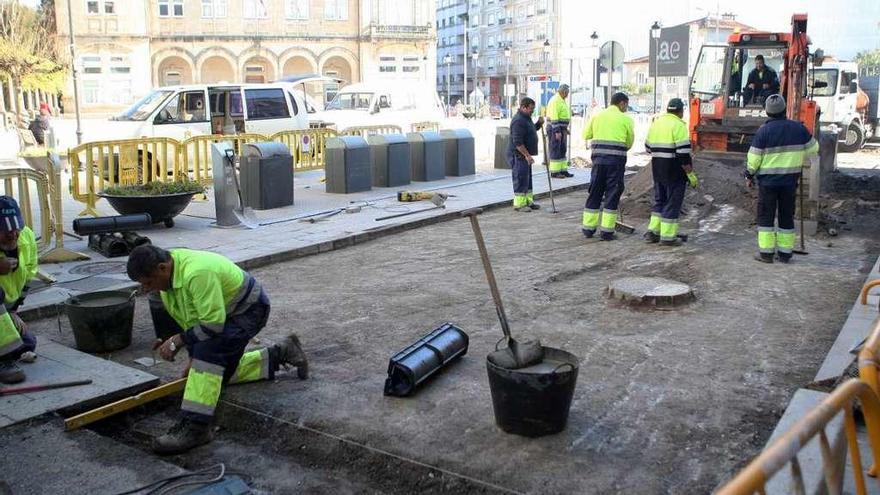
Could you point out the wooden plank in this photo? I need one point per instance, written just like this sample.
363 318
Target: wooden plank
123 405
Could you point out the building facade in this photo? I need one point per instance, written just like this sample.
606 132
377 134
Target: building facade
451 23
127 47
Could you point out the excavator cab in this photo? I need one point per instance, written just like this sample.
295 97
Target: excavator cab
725 110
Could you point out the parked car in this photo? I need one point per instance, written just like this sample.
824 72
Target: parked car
365 104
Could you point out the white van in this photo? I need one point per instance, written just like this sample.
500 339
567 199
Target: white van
365 104
179 112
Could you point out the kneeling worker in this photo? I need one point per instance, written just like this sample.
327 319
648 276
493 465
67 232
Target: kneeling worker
18 265
221 307
669 143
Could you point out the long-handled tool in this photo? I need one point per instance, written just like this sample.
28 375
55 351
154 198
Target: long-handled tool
398 215
38 388
803 247
547 167
520 354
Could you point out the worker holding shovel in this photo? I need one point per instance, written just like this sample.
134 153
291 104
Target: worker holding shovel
222 308
523 146
18 265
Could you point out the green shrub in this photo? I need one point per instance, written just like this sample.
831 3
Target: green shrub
155 189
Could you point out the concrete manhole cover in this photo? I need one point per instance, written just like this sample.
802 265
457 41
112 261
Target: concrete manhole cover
650 292
99 268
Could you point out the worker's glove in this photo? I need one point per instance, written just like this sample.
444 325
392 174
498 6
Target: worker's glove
692 180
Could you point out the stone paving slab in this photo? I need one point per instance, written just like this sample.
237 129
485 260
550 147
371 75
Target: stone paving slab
282 235
58 363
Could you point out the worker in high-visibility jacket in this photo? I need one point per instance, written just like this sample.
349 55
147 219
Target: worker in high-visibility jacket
221 307
776 159
610 133
559 120
18 266
669 143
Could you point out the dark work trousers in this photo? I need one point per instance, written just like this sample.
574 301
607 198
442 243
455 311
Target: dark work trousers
522 180
606 182
227 348
776 202
668 199
28 340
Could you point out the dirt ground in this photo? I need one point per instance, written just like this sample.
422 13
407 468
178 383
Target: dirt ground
666 401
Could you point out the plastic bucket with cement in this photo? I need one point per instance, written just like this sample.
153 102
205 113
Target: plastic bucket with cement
164 324
535 400
101 321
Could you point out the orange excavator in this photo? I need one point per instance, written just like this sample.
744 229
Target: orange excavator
724 112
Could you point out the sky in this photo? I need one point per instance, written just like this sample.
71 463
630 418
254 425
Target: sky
840 27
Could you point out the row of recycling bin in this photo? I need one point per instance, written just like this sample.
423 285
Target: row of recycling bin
354 164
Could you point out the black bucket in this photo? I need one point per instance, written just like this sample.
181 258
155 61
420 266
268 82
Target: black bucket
534 401
163 324
101 321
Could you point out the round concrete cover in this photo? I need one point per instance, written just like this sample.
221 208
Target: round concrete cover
650 291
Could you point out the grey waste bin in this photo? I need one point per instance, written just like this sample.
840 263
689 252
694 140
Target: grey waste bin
347 168
266 175
391 160
502 141
827 160
460 159
428 156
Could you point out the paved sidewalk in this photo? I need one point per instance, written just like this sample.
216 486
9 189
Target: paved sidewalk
284 233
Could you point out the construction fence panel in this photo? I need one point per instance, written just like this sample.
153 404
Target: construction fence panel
372 130
101 164
425 126
30 189
307 147
195 153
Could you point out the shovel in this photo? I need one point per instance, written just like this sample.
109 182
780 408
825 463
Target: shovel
803 248
244 214
547 167
519 354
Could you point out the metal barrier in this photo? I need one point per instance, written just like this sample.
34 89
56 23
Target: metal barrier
195 153
95 166
752 478
17 183
371 130
307 146
425 126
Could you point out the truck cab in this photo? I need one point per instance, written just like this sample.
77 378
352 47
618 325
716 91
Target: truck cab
835 88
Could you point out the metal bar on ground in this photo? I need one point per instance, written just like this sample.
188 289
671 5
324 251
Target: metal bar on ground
38 388
123 405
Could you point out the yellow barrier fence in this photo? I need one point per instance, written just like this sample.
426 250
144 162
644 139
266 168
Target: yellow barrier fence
101 164
372 130
195 153
17 182
784 451
307 146
425 126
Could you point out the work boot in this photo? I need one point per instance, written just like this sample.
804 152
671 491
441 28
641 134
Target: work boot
764 258
651 238
588 233
558 175
290 353
608 236
567 174
10 372
523 209
673 243
183 436
534 206
783 257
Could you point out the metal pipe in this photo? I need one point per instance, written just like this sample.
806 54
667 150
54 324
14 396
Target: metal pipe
863 297
74 71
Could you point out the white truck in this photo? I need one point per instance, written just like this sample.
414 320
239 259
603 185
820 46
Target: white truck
365 104
836 89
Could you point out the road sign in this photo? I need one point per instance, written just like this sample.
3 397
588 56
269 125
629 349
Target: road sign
671 52
611 62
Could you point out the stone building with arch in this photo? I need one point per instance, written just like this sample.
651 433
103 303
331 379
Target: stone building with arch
127 47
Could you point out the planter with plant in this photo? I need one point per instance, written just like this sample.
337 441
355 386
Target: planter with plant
162 200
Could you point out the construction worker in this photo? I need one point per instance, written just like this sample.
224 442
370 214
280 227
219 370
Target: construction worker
669 143
762 82
611 136
776 159
221 307
18 265
558 120
523 146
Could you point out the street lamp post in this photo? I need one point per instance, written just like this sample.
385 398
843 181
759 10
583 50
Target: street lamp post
594 43
475 56
507 79
465 18
448 61
73 62
655 37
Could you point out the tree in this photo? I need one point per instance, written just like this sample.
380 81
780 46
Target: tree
28 53
868 58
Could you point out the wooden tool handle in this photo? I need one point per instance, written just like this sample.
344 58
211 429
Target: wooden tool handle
490 275
472 212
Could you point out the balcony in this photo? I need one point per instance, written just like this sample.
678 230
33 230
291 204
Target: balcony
408 32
